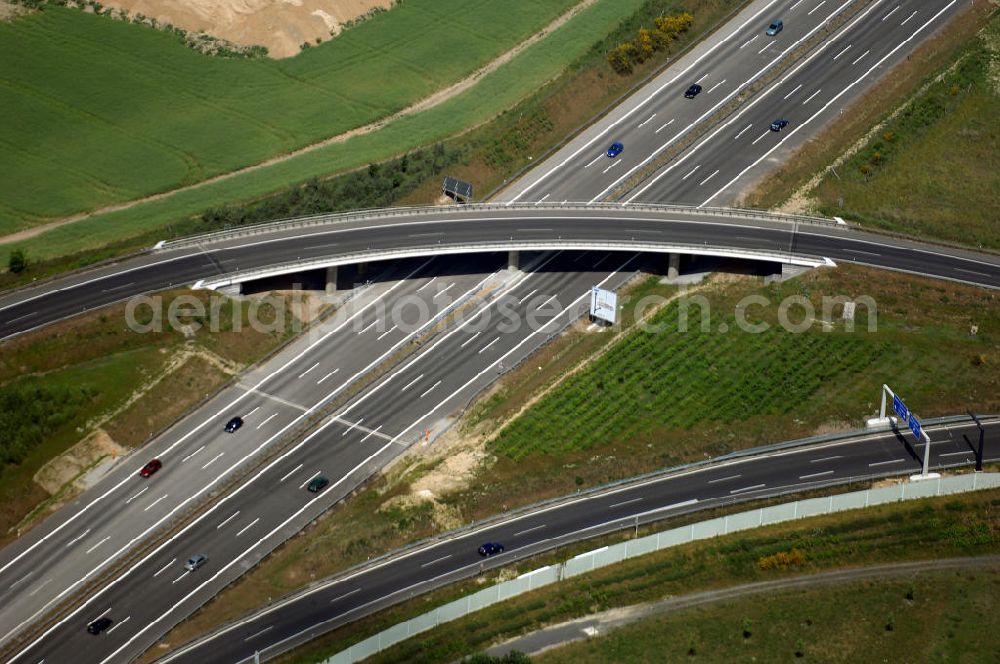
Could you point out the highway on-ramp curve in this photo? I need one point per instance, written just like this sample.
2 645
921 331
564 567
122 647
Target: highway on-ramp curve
431 231
407 573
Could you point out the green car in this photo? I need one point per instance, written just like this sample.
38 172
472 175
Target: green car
318 484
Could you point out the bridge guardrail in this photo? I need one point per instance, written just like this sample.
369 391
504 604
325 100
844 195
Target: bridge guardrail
292 223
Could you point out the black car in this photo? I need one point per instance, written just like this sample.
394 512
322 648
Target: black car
692 92
779 124
234 424
99 625
490 548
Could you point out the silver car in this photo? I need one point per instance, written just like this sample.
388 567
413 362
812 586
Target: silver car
195 561
774 28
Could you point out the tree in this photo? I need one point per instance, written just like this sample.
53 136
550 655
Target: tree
18 261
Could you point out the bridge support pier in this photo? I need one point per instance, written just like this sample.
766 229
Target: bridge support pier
331 280
513 260
673 266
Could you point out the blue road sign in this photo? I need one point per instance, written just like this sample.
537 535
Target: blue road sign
915 426
900 408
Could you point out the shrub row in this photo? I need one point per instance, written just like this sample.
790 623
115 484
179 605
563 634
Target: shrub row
668 29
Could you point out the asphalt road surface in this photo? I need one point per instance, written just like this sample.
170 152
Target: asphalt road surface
73 545
713 171
402 576
431 232
272 504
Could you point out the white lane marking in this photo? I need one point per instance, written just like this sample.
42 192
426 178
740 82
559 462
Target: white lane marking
410 384
430 389
521 301
725 479
862 251
144 490
965 452
214 459
981 274
371 433
652 95
39 588
99 543
664 126
829 458
891 12
186 572
436 560
743 131
425 234
810 13
766 46
444 290
648 120
290 473
703 78
542 199
164 568
340 597
393 328
596 159
761 137
192 454
809 98
714 173
303 485
885 463
613 164
715 86
858 59
525 532
812 475
20 317
797 87
22 579
426 285
109 290
247 527
155 502
909 17
77 538
748 488
797 3
750 41
624 502
691 172
369 326
306 371
119 624
234 515
269 418
844 91
320 381
481 350
255 409
845 50
353 424
256 634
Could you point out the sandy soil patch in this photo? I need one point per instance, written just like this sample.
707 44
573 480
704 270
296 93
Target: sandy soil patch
280 25
8 11
55 474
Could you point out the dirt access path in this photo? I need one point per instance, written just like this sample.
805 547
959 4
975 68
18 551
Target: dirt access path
600 623
433 100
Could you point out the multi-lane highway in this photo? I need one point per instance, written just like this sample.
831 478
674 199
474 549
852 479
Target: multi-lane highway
827 54
430 232
454 557
72 546
346 447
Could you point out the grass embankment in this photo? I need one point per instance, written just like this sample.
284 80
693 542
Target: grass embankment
93 375
101 111
922 530
929 617
922 347
931 168
548 91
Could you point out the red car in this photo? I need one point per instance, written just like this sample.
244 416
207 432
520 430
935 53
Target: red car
150 468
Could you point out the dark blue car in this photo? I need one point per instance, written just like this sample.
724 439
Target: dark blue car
615 149
490 548
779 124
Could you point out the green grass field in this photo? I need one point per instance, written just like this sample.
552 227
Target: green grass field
950 618
99 111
